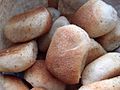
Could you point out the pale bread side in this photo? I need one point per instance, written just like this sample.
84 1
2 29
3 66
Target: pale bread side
111 41
54 13
108 84
18 58
106 66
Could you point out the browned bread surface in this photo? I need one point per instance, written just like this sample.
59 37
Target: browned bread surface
29 25
67 53
38 76
96 17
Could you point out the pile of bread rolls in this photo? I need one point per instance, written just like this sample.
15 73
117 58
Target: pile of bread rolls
62 45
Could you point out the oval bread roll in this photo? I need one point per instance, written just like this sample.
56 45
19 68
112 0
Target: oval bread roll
96 17
18 58
54 13
29 25
12 83
105 67
109 84
38 76
111 40
67 53
37 89
45 41
95 51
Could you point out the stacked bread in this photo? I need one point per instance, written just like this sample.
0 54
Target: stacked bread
69 48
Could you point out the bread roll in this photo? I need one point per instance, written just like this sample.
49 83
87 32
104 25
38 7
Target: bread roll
105 67
29 25
109 84
95 51
54 13
9 8
96 17
18 58
12 83
42 3
67 53
45 41
38 76
111 40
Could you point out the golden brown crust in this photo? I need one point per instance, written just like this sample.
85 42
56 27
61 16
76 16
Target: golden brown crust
67 53
93 18
85 14
95 51
38 76
28 25
35 68
13 49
